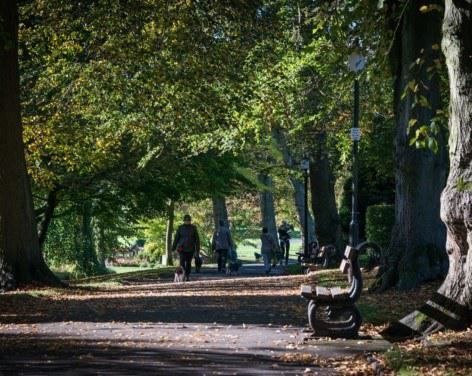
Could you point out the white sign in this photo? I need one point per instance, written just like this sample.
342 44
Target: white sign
356 62
355 134
305 164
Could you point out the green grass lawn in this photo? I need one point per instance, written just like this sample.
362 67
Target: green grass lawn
247 248
126 269
67 275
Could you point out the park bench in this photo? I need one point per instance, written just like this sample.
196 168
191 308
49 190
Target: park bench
332 312
317 256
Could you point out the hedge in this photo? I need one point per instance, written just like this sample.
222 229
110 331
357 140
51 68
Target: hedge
379 223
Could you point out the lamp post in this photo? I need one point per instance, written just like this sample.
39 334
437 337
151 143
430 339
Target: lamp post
356 63
305 166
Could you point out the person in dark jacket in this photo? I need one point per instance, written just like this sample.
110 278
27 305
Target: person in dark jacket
187 244
222 243
284 239
268 247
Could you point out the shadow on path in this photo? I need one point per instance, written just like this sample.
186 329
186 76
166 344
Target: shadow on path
53 356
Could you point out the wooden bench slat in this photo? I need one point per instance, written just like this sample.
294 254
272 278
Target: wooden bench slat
344 267
322 292
338 292
349 252
306 289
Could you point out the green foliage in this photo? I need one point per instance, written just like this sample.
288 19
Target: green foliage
59 245
152 253
153 231
376 172
70 246
379 223
462 185
129 104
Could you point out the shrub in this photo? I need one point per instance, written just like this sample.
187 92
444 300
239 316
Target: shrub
379 223
152 252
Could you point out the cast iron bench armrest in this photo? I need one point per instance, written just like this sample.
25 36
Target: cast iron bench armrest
332 311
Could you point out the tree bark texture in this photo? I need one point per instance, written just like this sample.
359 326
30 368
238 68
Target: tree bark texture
416 252
298 186
323 198
170 232
267 206
86 254
220 212
451 306
47 217
21 261
456 200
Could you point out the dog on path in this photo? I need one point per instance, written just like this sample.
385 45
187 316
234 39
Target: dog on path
179 275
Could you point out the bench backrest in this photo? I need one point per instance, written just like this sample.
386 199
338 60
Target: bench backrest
349 255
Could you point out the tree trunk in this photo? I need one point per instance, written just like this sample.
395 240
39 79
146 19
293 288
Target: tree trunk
48 214
101 246
267 206
451 306
297 184
170 232
86 254
21 261
220 212
416 253
323 198
299 198
456 200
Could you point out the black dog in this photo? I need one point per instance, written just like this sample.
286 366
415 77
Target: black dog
198 263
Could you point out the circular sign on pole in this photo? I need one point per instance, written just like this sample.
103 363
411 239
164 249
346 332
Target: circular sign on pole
355 134
305 164
356 62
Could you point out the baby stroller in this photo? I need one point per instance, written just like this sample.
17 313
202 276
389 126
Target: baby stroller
233 262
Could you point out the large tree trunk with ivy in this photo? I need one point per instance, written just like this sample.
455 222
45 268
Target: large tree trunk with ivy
451 306
267 205
169 232
21 261
86 254
416 252
297 184
323 198
101 248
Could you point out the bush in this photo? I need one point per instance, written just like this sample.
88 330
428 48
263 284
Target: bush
152 253
379 223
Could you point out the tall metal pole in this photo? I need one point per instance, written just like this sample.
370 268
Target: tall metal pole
305 229
354 225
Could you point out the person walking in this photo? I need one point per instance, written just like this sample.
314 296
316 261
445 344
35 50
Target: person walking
222 243
268 247
284 240
187 244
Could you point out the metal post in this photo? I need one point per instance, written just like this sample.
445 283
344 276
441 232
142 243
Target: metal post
305 229
354 225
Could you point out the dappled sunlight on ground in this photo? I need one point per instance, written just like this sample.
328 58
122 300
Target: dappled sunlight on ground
247 324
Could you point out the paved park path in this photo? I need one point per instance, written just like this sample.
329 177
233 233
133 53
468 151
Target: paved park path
214 325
